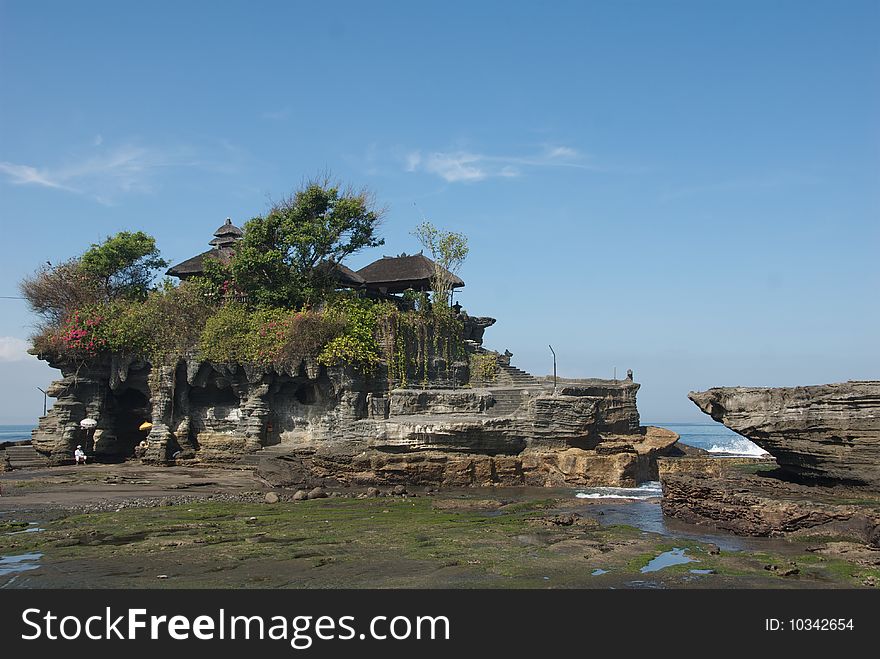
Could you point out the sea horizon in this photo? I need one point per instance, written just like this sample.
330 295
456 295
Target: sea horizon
710 436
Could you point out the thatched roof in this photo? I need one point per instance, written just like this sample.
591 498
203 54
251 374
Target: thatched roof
395 274
196 265
226 235
344 277
223 242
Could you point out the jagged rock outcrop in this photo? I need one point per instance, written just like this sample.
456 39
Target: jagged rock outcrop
827 432
475 326
111 390
744 496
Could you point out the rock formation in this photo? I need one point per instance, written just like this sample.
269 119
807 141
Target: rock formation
746 497
825 479
312 423
827 432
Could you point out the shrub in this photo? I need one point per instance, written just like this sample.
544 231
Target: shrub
357 343
267 336
85 333
484 367
167 324
225 336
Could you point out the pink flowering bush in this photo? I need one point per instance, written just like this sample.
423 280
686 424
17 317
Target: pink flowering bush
84 332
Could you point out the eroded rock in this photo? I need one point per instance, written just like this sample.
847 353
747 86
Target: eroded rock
824 432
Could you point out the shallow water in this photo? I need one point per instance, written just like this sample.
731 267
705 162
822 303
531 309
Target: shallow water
648 516
674 556
20 563
648 490
32 528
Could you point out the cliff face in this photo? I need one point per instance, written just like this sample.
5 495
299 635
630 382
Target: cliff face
829 431
339 423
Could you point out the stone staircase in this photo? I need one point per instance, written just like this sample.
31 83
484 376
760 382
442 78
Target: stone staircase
511 376
512 387
23 456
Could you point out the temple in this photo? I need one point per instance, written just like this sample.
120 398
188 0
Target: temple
438 408
222 249
390 275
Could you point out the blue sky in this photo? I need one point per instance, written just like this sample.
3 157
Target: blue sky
687 189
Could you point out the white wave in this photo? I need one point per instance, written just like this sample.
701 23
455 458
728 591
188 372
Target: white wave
648 490
739 447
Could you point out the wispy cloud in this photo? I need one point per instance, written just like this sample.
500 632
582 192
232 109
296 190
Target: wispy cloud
25 175
13 349
103 173
463 165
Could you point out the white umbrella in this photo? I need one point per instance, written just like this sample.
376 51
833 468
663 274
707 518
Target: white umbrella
88 424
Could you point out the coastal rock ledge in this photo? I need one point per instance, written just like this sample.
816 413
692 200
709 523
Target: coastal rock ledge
825 433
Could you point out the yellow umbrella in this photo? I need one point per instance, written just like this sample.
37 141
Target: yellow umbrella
146 425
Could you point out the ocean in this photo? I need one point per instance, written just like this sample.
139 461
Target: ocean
715 438
15 433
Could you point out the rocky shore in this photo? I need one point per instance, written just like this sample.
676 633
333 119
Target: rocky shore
823 480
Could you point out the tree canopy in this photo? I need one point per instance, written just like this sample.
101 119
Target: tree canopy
448 251
282 259
124 265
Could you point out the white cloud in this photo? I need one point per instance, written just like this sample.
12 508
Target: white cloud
454 166
25 174
458 166
103 176
13 349
561 152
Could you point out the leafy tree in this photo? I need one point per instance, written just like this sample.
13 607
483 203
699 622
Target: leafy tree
448 251
123 265
119 268
283 257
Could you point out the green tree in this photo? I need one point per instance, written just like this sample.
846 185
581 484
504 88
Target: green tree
124 265
448 251
283 257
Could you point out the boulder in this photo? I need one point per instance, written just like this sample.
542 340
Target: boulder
271 497
317 493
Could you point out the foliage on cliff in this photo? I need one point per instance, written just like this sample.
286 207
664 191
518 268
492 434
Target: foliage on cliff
286 258
120 268
273 304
